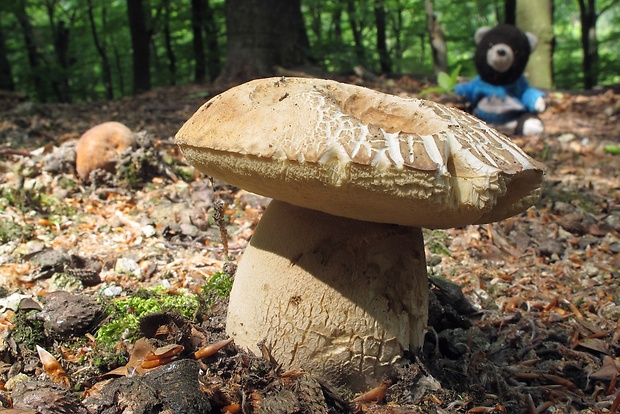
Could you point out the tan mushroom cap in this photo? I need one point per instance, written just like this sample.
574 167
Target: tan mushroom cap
354 152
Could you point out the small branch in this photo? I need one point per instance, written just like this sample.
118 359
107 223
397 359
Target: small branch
9 151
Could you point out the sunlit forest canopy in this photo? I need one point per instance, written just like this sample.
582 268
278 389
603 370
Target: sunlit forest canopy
84 50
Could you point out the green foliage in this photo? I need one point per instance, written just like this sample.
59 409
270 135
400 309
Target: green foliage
27 199
219 284
445 82
612 149
11 230
125 314
328 24
436 242
27 331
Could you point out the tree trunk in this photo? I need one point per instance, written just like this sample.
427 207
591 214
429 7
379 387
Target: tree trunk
384 57
200 67
106 70
214 65
316 25
437 39
60 34
510 12
172 60
536 16
34 59
6 72
261 35
397 28
589 43
140 41
336 26
356 30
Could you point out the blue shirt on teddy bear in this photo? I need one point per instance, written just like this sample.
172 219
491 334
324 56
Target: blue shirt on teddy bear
476 90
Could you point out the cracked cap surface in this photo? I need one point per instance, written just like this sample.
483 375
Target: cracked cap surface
358 153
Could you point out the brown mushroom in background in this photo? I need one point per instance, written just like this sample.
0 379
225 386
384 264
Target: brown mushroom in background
334 278
101 146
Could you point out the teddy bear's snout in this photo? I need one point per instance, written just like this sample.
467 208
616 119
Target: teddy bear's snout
500 57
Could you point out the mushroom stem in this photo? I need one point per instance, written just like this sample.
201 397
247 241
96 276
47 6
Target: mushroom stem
338 297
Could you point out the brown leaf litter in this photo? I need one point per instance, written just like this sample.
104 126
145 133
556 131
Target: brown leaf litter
525 313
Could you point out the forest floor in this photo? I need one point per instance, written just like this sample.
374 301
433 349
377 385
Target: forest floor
541 332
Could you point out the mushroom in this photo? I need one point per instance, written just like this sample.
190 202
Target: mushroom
101 146
334 278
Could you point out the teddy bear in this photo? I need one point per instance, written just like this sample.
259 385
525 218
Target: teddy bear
500 95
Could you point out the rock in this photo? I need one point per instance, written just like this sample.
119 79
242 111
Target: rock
573 223
46 263
128 266
586 241
61 159
550 247
172 389
66 314
101 146
46 398
562 208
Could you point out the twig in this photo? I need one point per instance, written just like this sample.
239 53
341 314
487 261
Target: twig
10 151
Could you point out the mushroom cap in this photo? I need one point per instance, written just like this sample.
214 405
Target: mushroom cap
101 146
354 152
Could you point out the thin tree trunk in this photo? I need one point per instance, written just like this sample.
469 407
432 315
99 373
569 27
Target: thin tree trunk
34 59
214 57
140 44
384 57
106 70
60 34
589 43
356 30
6 71
536 16
200 67
397 25
510 12
437 39
119 69
172 61
316 24
337 23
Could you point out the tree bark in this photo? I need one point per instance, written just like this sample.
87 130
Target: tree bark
106 70
34 59
397 29
172 60
60 34
384 56
510 12
6 71
356 30
437 39
262 34
336 26
214 57
589 43
536 16
200 67
140 40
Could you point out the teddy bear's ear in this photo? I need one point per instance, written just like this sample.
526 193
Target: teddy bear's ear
480 33
532 39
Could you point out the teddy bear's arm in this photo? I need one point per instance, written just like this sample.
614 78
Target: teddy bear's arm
477 89
531 98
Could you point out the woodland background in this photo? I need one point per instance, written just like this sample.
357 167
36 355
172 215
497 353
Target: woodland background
153 236
88 50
